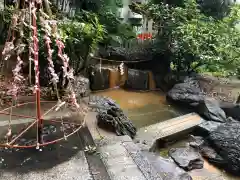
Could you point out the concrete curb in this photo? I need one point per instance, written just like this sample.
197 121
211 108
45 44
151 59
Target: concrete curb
110 143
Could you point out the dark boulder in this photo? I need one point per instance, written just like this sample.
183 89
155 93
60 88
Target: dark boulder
114 53
206 151
225 140
187 93
111 117
187 158
115 120
211 110
98 103
206 127
99 78
127 54
191 95
137 80
211 155
167 168
196 141
231 110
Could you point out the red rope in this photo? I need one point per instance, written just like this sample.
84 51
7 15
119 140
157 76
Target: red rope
36 64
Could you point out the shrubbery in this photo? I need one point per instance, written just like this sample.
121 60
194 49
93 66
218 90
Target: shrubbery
194 41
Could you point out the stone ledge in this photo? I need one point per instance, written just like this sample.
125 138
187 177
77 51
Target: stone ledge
142 162
123 158
151 134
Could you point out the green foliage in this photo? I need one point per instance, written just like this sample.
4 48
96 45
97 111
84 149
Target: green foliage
194 41
5 20
82 33
217 9
110 21
117 32
81 36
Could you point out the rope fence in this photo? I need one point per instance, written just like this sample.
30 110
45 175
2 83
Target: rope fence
111 60
118 87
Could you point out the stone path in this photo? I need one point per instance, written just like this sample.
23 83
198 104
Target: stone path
119 163
123 158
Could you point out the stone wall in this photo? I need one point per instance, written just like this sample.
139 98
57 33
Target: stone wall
110 77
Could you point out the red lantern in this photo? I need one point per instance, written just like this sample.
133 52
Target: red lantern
139 36
144 36
149 36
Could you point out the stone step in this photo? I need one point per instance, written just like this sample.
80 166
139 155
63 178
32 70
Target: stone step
119 164
121 156
125 161
149 135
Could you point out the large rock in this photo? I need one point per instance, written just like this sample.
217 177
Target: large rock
231 110
99 78
225 140
187 158
101 103
111 117
166 167
137 80
127 54
187 93
115 120
211 110
206 127
206 151
190 94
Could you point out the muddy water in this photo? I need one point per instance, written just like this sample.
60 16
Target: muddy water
201 174
143 108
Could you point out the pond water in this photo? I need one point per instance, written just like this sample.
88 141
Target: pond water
143 108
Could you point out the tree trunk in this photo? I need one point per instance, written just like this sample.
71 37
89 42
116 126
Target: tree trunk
48 8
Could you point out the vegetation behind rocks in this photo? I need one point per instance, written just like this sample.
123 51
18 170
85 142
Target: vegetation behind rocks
194 40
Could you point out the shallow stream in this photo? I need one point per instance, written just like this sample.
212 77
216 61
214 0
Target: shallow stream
146 108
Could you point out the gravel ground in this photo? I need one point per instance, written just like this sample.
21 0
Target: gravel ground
222 89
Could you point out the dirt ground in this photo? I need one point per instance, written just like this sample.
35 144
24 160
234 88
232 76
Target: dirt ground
222 89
